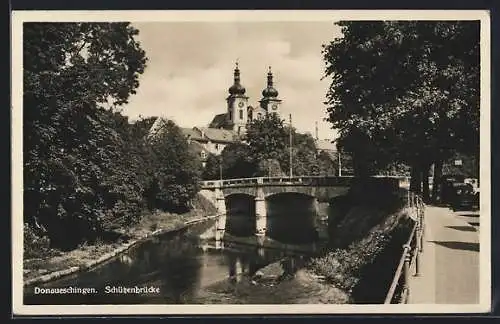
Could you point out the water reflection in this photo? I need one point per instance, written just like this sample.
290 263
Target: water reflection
292 218
180 265
240 219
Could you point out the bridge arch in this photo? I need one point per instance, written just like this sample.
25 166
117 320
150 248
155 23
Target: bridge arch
292 217
240 214
233 194
247 190
296 191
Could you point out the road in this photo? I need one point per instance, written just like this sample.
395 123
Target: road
450 259
471 217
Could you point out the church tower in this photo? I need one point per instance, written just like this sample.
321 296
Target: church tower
270 102
237 105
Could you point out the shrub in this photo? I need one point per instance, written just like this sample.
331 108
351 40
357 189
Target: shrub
343 267
35 246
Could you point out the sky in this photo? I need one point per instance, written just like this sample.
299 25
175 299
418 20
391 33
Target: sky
190 68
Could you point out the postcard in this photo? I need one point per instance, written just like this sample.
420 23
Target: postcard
251 162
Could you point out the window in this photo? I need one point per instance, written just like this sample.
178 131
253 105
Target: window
216 146
259 115
250 115
239 129
241 114
203 154
230 115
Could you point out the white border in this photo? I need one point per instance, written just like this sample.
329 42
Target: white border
18 17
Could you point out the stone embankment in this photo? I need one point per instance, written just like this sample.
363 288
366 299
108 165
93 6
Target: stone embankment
124 247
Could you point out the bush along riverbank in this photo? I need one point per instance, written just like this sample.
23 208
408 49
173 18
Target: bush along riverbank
365 268
43 264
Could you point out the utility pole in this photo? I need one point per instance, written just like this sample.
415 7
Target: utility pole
220 167
339 153
290 133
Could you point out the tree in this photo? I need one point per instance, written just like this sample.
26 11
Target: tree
177 170
405 92
212 167
304 154
269 168
237 161
73 147
269 140
328 164
266 137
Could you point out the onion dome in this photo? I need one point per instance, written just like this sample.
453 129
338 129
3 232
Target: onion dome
269 91
237 88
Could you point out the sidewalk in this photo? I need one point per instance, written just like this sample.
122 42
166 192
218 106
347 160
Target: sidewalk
449 263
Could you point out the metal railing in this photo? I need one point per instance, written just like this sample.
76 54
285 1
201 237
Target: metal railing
399 290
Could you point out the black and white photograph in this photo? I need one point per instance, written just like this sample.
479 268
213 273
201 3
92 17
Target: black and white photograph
220 162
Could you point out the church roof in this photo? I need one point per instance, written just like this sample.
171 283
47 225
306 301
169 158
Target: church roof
219 121
237 88
193 133
270 91
205 134
218 135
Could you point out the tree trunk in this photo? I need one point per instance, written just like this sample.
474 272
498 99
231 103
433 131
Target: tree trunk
416 179
425 183
438 173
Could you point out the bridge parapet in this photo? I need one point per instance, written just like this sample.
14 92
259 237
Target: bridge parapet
277 181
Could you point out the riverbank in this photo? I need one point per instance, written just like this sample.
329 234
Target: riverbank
337 276
58 263
301 288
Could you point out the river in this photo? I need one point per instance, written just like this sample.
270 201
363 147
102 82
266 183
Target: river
177 268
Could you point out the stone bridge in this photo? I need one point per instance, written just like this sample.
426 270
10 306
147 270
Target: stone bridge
323 188
263 188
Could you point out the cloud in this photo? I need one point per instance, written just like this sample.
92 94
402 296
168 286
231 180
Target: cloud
191 66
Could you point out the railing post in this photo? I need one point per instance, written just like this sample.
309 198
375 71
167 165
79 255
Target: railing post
422 226
406 273
417 251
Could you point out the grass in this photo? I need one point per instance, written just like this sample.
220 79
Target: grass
342 267
64 260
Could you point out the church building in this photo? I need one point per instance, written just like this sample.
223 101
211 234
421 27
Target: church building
239 112
230 126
